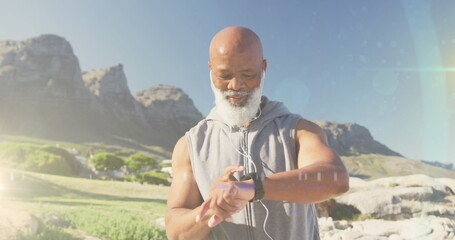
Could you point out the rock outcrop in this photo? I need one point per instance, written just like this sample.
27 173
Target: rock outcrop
352 139
44 65
396 198
166 104
409 207
110 87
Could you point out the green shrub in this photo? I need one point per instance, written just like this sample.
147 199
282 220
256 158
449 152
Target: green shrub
164 165
107 161
361 217
129 178
35 158
139 161
153 178
70 158
123 153
343 212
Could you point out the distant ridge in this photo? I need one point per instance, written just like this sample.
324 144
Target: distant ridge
351 139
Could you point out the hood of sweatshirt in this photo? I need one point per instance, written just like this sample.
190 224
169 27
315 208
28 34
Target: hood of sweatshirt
269 111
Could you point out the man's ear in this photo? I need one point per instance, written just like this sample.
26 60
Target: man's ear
209 64
264 64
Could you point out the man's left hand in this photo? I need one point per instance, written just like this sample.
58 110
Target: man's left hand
227 197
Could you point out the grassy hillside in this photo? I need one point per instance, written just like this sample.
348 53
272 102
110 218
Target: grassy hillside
128 145
372 166
106 209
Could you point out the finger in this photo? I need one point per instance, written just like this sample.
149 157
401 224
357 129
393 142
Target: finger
214 220
226 205
240 203
204 208
227 175
219 211
232 169
229 201
231 193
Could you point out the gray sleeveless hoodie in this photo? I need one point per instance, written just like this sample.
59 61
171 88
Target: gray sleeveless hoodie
270 143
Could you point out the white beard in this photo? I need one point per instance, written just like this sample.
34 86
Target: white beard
238 115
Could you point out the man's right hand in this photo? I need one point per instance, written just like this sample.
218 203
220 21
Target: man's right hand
227 197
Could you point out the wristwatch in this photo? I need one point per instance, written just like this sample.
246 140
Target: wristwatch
258 188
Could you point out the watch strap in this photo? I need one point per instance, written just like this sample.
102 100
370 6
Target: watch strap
258 188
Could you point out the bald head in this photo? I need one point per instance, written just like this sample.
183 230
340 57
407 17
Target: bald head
235 40
236 61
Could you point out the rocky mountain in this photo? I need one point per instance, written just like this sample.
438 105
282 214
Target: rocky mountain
350 139
44 93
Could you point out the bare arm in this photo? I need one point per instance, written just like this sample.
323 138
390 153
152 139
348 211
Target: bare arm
321 174
184 199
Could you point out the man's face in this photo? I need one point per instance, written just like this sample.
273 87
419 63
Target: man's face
237 85
236 74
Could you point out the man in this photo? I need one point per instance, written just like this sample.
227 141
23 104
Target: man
251 169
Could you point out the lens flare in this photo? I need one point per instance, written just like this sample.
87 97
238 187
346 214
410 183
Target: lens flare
433 82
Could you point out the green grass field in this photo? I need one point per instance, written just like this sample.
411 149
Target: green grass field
104 209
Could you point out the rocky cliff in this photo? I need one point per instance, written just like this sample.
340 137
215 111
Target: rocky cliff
43 93
166 104
45 65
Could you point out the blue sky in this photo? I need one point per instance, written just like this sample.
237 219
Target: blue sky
387 65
